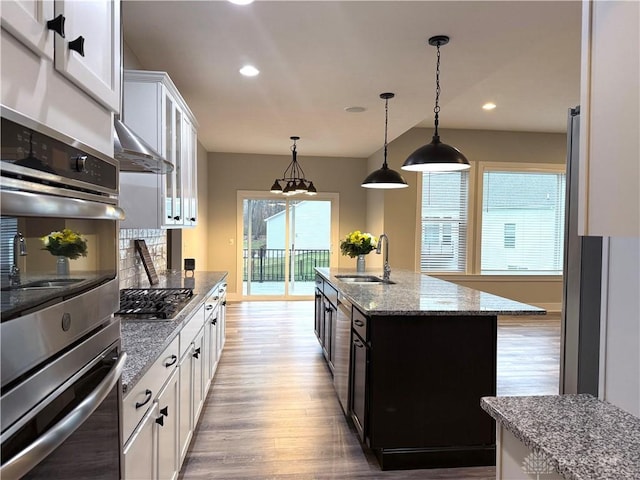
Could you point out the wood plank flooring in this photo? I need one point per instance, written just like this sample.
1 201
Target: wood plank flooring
272 412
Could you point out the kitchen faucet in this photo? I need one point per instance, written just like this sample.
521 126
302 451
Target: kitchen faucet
386 269
19 250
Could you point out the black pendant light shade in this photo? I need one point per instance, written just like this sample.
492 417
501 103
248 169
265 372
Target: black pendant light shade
293 181
436 156
385 178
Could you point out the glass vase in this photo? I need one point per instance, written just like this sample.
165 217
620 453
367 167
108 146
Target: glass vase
62 266
360 264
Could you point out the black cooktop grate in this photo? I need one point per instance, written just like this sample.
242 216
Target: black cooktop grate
153 303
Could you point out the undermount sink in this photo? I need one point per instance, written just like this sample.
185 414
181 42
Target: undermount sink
45 284
362 279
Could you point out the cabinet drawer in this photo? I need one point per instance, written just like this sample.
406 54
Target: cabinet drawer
319 282
331 293
190 329
359 323
146 390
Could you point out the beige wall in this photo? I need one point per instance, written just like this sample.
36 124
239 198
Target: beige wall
230 172
195 241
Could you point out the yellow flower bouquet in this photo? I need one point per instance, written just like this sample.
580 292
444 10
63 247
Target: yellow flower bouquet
358 243
66 243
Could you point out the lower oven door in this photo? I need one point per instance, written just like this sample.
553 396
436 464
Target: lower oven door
74 433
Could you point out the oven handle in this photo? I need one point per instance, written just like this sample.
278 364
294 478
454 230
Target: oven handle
28 458
17 203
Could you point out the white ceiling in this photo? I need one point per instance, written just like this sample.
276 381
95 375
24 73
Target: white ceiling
318 57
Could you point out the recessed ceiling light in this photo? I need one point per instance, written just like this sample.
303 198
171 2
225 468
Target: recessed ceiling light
355 109
241 2
489 106
249 71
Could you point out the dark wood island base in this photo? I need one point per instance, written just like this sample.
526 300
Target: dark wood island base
422 354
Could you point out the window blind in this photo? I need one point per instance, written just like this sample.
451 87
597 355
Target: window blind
444 205
522 222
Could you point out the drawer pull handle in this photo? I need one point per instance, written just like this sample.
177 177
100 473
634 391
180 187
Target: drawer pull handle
214 321
148 393
57 25
224 304
358 344
196 354
165 411
209 307
160 421
173 360
77 45
359 323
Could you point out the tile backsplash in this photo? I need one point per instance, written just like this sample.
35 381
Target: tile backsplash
131 270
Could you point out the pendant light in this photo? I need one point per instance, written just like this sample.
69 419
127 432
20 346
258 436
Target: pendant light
293 177
436 156
385 178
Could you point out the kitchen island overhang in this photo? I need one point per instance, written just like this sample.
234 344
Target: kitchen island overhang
430 357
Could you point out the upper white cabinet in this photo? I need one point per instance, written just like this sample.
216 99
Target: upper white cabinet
27 21
610 119
89 55
156 111
81 37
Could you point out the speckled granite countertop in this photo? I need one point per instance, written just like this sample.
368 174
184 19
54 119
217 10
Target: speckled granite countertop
582 437
419 294
144 340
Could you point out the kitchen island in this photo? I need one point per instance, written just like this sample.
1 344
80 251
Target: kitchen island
423 353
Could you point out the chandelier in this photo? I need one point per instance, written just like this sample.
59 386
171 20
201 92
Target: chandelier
293 181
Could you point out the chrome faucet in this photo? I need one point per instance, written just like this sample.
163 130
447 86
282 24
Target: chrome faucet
19 250
386 269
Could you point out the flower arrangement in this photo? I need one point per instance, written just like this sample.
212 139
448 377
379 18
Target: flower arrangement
358 243
66 243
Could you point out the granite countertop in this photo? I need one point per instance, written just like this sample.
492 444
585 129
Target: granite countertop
582 437
418 294
144 340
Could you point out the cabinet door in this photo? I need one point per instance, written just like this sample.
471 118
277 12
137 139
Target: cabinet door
359 359
609 202
211 327
96 70
317 319
166 424
185 402
27 21
139 451
199 373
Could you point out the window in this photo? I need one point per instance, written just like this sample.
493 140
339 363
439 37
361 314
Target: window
444 221
522 222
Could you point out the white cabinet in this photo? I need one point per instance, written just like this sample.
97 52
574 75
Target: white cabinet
89 56
27 21
139 451
154 109
166 426
150 421
609 203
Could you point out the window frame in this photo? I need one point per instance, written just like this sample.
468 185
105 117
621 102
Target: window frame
477 235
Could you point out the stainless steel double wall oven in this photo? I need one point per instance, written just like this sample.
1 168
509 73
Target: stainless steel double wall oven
60 343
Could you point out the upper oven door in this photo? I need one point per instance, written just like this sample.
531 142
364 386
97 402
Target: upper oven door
53 247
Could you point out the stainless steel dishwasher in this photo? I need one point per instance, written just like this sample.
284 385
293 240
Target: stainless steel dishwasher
342 349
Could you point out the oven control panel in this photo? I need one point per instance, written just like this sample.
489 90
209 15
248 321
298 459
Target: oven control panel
47 157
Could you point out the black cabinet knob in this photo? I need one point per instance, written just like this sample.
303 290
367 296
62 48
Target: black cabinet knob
196 354
165 411
77 45
193 219
214 321
57 25
177 217
160 421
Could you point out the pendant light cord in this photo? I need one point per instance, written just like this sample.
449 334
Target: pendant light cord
386 122
436 109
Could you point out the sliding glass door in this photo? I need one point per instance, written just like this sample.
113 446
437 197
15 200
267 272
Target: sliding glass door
283 240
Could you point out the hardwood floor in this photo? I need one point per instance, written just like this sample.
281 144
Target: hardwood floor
272 412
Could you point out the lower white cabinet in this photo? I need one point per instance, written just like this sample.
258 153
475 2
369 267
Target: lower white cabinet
161 411
166 425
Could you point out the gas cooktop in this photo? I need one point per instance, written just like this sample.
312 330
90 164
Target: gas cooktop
153 303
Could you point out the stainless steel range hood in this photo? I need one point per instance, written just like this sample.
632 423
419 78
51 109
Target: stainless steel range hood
134 154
